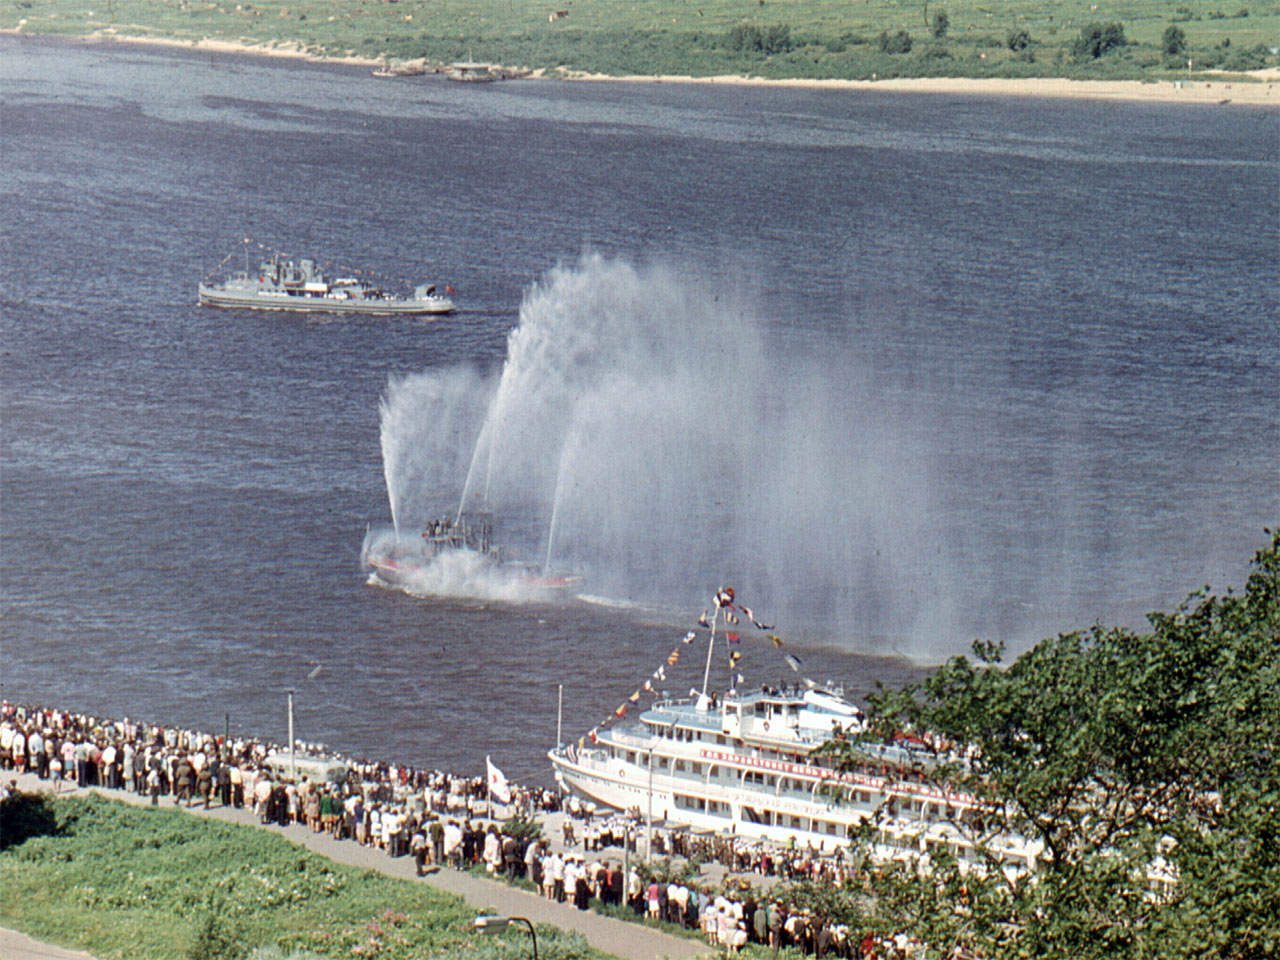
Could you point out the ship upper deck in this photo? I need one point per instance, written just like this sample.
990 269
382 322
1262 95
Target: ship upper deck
796 720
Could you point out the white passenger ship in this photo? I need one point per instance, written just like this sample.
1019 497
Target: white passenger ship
745 765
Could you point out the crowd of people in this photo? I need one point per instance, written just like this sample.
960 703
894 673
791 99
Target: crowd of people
439 820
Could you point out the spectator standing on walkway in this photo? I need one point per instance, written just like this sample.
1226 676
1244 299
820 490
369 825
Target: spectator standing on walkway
453 844
436 832
185 777
204 785
418 848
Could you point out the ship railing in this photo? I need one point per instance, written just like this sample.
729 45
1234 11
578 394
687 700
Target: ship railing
593 757
631 739
677 702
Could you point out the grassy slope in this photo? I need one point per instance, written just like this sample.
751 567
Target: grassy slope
139 883
830 39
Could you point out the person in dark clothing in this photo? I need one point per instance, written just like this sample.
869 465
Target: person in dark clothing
280 805
185 777
204 785
223 778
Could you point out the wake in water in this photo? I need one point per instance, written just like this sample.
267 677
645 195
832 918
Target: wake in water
645 432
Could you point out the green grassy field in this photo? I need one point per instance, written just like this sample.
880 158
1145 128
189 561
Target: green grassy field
765 38
158 884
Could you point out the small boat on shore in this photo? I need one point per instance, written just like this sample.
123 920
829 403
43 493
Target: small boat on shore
471 73
301 286
483 72
400 68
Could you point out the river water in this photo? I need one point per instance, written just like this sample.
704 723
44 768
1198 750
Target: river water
905 370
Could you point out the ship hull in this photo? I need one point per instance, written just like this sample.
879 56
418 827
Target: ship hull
629 787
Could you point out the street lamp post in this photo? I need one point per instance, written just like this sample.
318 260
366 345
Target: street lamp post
293 751
648 827
648 819
488 924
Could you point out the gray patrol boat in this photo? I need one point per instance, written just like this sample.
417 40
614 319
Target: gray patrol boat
282 283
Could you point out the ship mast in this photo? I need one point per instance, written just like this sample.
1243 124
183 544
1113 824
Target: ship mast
711 647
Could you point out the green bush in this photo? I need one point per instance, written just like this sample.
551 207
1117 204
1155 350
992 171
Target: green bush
1173 41
1241 61
748 38
895 43
941 22
522 828
217 939
25 815
1018 40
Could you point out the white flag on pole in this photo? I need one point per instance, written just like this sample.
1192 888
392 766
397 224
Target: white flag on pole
498 785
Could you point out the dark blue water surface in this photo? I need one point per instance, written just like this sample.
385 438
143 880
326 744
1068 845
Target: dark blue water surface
1041 339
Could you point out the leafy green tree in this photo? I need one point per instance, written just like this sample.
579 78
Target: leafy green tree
1145 766
1096 40
1173 41
1018 40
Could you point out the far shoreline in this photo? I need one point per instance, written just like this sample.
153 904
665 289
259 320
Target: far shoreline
1202 89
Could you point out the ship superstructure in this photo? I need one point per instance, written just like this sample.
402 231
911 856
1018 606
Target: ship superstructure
301 286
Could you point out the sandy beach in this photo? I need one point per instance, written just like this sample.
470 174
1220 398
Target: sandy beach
1263 92
1202 88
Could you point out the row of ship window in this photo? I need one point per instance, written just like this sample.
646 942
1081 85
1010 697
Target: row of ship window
897 806
770 818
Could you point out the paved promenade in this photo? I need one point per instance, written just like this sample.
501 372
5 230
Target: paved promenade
629 941
18 946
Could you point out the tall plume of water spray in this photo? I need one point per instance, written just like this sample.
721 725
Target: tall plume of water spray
429 422
674 449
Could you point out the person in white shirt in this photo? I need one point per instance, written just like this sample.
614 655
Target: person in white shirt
492 851
453 843
558 866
